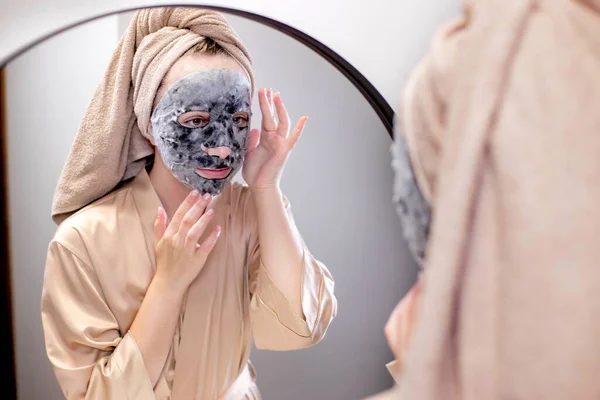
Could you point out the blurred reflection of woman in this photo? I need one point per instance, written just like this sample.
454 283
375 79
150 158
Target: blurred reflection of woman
501 122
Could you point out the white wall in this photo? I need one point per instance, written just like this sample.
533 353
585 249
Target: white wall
381 38
48 89
345 214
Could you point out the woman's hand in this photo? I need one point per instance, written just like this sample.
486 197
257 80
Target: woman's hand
399 327
269 149
179 257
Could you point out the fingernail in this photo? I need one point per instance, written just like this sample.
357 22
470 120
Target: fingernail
218 230
194 194
206 196
210 212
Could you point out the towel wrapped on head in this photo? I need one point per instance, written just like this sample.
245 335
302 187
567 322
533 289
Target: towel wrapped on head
111 144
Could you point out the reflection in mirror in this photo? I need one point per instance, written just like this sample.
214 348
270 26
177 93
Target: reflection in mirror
107 317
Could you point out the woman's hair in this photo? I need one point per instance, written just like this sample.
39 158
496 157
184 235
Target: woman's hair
208 46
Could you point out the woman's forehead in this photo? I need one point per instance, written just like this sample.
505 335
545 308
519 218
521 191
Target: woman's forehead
196 62
192 63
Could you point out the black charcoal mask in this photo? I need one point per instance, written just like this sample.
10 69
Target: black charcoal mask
224 96
412 207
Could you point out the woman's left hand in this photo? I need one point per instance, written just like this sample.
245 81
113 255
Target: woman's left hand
268 149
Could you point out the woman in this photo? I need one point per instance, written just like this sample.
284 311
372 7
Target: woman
162 271
501 123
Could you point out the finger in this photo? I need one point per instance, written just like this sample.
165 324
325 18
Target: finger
394 340
413 308
196 231
420 283
268 122
253 139
160 225
295 135
392 322
192 216
390 332
204 250
398 338
395 329
282 115
404 323
271 104
183 208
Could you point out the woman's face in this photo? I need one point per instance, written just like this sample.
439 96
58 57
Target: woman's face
201 121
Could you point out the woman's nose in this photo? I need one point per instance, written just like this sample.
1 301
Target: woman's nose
221 152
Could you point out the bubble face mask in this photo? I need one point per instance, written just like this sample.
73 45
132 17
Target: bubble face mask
412 207
200 128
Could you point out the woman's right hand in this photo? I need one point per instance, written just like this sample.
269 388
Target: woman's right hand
179 257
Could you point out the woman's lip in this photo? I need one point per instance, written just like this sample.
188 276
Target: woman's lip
211 173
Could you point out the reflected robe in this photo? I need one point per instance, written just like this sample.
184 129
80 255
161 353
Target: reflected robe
99 266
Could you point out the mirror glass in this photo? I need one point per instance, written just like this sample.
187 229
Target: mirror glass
337 179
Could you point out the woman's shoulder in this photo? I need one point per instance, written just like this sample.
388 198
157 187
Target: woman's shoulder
105 241
95 219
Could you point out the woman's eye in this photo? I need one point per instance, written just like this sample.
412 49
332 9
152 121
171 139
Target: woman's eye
196 122
240 121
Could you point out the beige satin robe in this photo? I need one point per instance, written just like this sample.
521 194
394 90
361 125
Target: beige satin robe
99 266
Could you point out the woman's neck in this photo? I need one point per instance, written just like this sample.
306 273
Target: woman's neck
170 191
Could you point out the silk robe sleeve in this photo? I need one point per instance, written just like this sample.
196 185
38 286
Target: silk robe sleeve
275 323
90 356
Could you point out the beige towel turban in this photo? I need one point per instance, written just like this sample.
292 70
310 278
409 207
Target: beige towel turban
502 125
110 145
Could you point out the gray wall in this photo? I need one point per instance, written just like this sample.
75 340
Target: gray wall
344 214
48 89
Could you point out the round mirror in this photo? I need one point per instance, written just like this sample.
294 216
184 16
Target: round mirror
337 180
